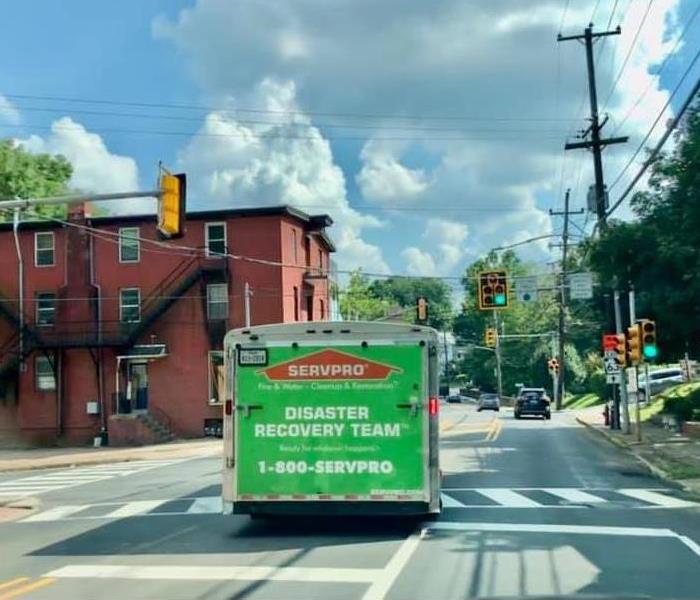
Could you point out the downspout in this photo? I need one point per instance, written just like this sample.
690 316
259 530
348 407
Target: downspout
20 282
100 365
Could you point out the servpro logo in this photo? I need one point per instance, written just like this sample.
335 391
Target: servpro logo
329 364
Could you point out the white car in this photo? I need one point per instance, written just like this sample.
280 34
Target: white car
660 380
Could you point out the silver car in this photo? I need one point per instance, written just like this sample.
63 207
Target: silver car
488 402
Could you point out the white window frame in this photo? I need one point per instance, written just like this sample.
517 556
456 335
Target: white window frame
126 235
38 380
122 305
39 310
207 238
37 235
210 288
211 400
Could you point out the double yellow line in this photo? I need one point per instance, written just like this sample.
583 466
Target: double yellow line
22 585
494 430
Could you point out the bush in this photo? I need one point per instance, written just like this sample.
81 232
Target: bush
684 408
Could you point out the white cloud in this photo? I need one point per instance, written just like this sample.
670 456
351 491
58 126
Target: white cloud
95 168
384 179
235 164
418 262
8 113
449 238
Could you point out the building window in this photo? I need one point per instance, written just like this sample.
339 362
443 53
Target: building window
295 247
296 303
44 249
309 308
216 239
129 246
216 377
320 258
130 305
46 308
217 301
322 310
45 378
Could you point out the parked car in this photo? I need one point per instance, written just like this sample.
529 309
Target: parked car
659 381
488 402
532 401
454 399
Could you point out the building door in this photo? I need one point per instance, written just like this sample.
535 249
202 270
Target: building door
138 385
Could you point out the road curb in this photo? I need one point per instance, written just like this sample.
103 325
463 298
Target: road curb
651 467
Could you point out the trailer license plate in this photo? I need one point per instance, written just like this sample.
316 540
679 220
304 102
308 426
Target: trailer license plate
250 356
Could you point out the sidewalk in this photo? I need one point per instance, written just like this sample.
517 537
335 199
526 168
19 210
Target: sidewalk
45 458
666 453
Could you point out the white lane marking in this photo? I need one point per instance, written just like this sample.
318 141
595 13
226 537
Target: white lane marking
656 498
508 498
207 505
450 502
54 514
545 528
574 495
692 544
214 573
382 584
131 509
20 491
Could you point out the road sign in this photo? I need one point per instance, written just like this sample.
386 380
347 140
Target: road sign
632 383
610 363
580 286
526 289
609 341
613 378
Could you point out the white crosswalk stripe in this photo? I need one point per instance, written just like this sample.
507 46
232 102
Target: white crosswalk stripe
452 498
58 480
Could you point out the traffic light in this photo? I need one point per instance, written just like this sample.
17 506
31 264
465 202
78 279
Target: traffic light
493 290
421 309
649 347
490 337
621 350
171 205
553 365
634 344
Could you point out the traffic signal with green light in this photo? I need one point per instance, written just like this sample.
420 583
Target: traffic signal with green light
490 337
634 344
648 330
493 290
171 205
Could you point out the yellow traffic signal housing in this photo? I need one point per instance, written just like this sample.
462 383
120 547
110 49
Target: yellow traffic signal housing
493 290
634 344
621 350
171 205
421 309
553 365
648 334
491 337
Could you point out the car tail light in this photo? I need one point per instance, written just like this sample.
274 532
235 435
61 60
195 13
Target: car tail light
433 406
228 408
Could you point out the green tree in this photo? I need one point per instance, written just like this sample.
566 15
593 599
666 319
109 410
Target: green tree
357 301
26 175
403 292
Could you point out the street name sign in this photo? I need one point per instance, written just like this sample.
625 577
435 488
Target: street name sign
581 286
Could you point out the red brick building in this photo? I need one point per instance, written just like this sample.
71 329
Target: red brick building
104 327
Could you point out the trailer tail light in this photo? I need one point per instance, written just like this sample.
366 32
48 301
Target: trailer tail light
433 406
228 408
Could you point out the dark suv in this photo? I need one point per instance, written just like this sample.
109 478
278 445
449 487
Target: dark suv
532 401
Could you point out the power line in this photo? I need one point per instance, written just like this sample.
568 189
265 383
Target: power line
656 121
629 53
279 112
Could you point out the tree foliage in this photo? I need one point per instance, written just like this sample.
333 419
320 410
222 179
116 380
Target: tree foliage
403 293
26 175
358 302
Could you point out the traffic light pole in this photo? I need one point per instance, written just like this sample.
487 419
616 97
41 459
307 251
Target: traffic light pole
499 377
633 371
623 386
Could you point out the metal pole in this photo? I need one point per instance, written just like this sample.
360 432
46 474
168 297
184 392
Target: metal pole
633 371
444 346
75 198
499 376
20 284
647 386
623 386
246 302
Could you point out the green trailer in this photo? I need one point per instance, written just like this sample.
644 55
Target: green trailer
331 418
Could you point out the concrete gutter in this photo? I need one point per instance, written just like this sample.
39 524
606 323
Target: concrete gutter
650 466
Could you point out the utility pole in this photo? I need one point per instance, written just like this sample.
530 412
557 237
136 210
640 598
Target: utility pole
444 346
562 299
633 370
595 143
499 376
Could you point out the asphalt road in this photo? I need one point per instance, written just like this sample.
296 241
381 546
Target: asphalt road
530 508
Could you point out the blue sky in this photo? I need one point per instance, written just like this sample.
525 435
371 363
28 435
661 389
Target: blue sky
405 199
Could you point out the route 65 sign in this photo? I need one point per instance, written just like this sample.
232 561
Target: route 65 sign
610 363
